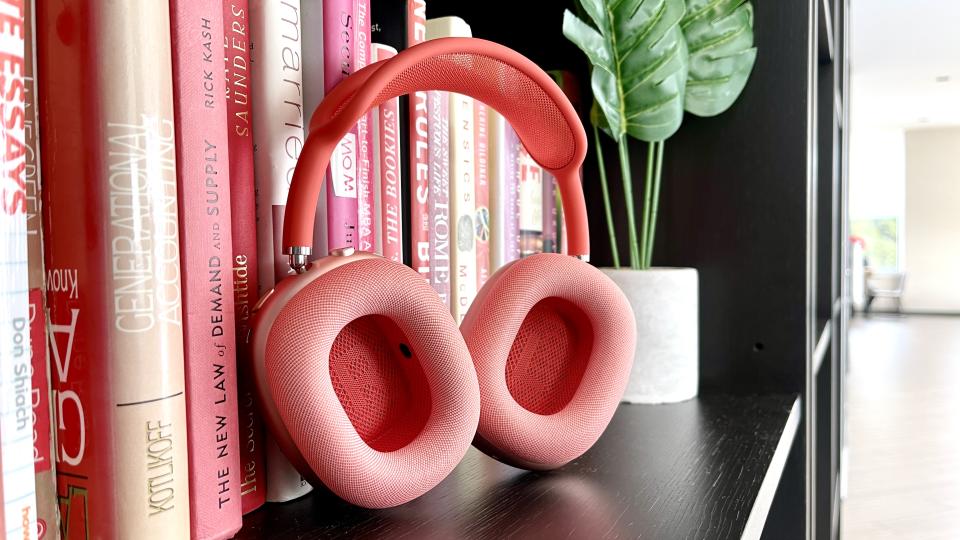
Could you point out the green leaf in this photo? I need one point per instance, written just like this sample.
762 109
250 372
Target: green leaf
597 119
719 35
639 59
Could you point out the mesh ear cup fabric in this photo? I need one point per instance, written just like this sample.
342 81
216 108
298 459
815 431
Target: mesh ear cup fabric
552 339
374 382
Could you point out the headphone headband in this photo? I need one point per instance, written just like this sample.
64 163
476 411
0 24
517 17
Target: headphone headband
545 121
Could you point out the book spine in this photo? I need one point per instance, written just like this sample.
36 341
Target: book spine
496 128
388 146
206 252
462 204
482 214
44 471
504 201
313 93
114 296
340 48
550 244
561 231
420 170
568 83
366 219
16 414
512 172
376 184
278 139
531 205
48 526
243 224
439 209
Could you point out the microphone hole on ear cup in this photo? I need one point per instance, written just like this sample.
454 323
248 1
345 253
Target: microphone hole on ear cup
387 400
549 356
405 351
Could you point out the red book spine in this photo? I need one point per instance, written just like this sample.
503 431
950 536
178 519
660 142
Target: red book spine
439 209
243 221
419 153
113 268
366 239
482 195
388 146
206 250
339 50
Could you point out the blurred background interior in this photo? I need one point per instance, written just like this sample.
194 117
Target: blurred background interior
902 474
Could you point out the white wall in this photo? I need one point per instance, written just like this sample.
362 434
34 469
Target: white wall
877 172
932 228
878 175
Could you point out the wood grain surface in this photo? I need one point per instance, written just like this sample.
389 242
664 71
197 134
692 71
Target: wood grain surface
687 470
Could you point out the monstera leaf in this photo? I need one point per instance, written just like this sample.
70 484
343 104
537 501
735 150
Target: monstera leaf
639 59
719 35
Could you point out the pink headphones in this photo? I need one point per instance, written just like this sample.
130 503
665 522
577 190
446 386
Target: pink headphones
364 379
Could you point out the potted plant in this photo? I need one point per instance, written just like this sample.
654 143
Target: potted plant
651 60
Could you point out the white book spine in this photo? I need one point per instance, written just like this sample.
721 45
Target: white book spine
462 204
497 126
278 135
463 283
16 413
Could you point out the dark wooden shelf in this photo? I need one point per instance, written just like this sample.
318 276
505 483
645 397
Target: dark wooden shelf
699 469
823 343
825 32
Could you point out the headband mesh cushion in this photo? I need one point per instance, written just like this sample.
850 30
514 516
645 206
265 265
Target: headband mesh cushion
552 339
376 427
538 121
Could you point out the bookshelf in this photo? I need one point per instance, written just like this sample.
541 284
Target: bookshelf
705 468
754 199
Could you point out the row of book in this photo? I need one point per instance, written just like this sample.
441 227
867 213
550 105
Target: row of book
148 150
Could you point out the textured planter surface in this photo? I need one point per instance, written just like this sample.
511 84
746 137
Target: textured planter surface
665 302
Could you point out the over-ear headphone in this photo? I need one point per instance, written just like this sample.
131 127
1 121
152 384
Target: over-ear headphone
364 379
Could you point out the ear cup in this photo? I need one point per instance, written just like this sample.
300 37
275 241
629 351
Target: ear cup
373 382
552 339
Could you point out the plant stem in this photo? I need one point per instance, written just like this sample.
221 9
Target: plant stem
655 203
635 260
606 199
647 191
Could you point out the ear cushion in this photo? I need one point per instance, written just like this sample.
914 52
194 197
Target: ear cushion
552 339
374 382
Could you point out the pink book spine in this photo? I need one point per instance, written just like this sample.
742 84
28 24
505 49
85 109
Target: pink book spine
206 251
366 239
339 49
482 193
391 213
440 229
243 224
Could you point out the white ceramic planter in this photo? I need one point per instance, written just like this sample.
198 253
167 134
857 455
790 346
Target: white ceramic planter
665 301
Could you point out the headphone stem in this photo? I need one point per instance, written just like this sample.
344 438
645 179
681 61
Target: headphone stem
298 258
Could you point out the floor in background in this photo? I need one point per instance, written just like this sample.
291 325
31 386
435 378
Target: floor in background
903 429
